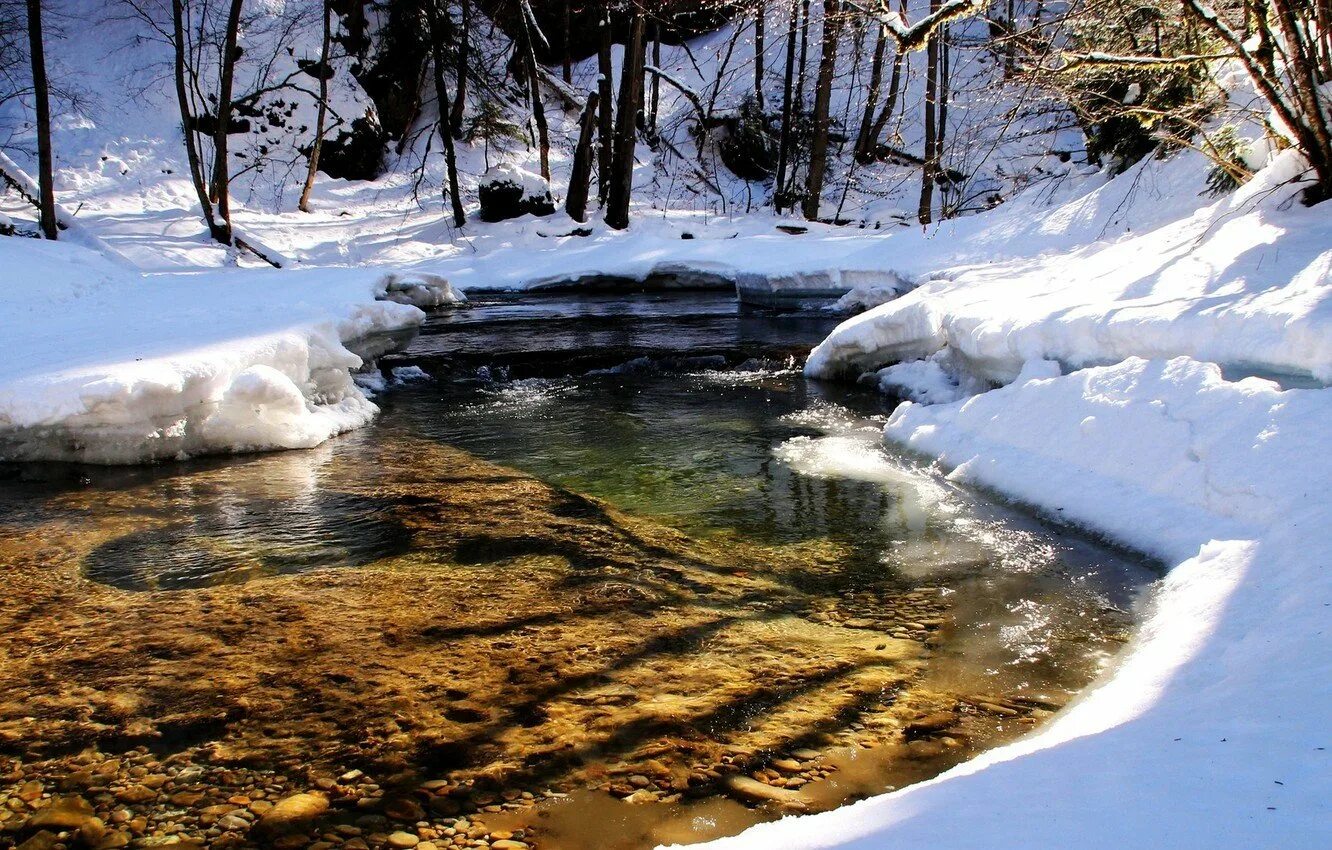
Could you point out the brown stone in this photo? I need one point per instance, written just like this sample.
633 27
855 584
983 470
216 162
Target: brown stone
293 811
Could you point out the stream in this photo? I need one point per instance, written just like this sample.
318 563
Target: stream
608 572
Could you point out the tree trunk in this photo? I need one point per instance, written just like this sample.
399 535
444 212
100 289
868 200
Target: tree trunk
565 28
187 119
605 115
631 100
941 132
804 52
929 169
42 94
575 203
784 140
760 11
322 115
221 191
460 74
872 97
818 151
441 98
534 89
656 81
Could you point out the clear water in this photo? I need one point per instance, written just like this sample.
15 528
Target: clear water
680 409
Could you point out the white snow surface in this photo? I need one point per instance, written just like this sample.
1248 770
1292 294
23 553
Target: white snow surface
1215 729
107 365
1245 281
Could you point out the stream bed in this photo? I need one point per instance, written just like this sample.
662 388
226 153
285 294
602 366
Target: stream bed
605 574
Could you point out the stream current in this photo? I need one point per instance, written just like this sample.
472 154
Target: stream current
607 572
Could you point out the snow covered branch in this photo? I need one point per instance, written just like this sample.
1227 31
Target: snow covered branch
913 36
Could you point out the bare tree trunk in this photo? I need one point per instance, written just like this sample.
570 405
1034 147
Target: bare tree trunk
656 81
626 137
441 98
941 132
187 119
784 141
605 116
565 27
760 12
872 97
804 52
930 166
42 94
460 74
575 203
818 151
900 59
534 89
221 190
322 116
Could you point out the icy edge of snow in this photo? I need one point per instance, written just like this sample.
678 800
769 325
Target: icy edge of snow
113 367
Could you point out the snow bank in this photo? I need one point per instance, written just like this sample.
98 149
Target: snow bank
1214 730
1246 281
105 365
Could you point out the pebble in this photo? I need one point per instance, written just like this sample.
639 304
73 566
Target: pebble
402 840
508 844
292 810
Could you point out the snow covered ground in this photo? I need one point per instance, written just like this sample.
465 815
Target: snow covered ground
106 364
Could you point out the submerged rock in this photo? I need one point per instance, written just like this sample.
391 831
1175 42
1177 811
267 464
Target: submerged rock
291 812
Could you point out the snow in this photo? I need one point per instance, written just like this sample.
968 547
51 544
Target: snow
1243 281
108 365
1213 731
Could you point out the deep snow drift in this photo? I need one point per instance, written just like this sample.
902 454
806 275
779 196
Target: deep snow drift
108 365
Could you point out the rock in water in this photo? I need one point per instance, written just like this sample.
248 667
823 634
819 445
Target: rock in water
757 792
296 810
508 192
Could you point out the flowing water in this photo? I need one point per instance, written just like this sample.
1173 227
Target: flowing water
617 575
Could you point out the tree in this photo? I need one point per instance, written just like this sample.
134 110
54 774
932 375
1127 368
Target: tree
529 34
785 136
220 192
605 115
460 75
42 97
760 13
322 116
434 20
1289 58
818 152
575 202
626 135
930 168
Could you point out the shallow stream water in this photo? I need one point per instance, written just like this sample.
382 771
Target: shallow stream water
617 574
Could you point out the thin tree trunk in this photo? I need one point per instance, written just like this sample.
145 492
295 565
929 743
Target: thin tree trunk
42 93
221 191
930 166
441 98
890 104
534 89
187 119
656 81
760 12
941 133
580 176
322 115
818 151
460 73
784 140
566 27
872 97
605 115
631 99
804 52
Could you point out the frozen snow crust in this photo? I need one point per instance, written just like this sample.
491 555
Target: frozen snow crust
106 365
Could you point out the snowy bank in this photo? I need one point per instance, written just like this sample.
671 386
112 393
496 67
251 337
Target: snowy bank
1245 281
106 365
1214 730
